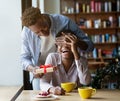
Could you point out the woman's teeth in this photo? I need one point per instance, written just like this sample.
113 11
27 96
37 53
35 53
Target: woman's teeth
65 51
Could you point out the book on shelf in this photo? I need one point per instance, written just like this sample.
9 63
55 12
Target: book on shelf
99 53
108 53
81 23
83 8
109 6
119 21
77 7
118 5
106 7
95 53
104 38
88 9
107 37
92 5
119 50
98 6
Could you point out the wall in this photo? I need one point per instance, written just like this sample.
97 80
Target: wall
10 29
52 6
47 6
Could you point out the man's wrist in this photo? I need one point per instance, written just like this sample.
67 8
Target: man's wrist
82 44
30 68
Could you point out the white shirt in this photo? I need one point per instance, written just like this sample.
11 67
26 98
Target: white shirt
47 46
78 72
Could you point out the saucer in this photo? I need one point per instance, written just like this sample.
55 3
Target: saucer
45 98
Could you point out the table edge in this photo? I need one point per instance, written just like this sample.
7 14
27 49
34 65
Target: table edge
17 94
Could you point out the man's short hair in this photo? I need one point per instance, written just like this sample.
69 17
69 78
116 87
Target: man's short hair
30 16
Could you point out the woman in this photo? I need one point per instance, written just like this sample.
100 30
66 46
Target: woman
70 66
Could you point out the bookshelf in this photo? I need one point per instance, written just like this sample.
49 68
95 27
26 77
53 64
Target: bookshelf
100 20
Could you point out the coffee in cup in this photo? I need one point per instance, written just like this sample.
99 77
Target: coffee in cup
68 86
86 92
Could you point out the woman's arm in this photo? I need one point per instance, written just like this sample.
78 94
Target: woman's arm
46 79
83 71
45 82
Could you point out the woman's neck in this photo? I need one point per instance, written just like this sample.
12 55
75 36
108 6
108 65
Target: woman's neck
67 64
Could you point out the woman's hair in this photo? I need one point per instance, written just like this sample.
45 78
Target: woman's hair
30 16
64 31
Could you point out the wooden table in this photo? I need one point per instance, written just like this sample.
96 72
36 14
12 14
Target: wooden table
101 95
9 93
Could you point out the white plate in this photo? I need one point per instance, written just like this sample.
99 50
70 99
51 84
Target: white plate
52 97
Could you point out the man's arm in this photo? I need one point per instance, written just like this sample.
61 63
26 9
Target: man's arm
85 43
82 44
25 56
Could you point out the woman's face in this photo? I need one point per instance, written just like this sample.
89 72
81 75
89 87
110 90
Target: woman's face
65 51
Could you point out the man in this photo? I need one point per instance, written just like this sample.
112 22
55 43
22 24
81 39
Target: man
38 38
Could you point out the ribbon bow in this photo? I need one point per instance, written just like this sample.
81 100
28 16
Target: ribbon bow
45 66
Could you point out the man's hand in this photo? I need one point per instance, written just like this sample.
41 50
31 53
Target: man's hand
37 75
32 69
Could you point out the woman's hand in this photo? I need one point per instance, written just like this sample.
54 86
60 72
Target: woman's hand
72 41
57 90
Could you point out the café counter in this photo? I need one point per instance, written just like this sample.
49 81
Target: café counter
101 95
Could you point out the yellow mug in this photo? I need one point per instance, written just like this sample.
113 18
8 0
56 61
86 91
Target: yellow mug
68 86
86 92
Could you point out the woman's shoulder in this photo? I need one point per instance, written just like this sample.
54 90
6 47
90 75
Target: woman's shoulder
55 57
54 54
